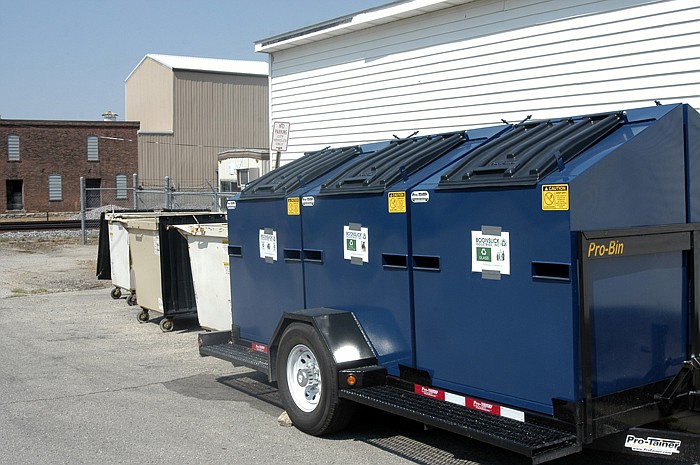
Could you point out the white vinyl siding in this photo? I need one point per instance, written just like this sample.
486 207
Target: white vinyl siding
479 63
121 187
13 147
55 187
93 148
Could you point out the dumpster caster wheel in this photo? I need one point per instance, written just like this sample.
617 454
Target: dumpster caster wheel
131 300
142 316
116 293
166 325
308 384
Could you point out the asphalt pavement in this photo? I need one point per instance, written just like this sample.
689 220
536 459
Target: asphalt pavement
83 382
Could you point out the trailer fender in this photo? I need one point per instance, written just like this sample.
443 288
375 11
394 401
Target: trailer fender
339 330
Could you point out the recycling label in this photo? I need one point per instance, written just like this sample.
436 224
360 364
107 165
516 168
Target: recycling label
268 244
356 244
490 252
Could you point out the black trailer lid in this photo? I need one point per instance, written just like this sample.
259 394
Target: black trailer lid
400 159
300 172
529 152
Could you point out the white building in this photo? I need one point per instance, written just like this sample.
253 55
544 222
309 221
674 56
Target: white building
440 65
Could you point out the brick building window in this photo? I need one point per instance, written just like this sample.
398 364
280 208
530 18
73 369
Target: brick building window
13 147
93 153
13 188
121 187
55 187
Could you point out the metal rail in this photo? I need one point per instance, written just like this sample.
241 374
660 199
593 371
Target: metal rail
45 225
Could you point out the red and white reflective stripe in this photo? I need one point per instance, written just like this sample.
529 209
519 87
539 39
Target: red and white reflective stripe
259 347
468 402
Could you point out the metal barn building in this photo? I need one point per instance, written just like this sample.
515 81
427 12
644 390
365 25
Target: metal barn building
440 65
191 109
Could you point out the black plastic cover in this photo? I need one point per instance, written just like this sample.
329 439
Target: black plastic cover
529 152
401 158
283 181
104 264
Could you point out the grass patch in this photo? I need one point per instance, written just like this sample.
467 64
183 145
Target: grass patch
19 292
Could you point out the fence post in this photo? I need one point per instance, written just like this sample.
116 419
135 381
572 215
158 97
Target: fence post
135 180
168 198
83 230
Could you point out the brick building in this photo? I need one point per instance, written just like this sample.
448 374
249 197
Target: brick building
41 163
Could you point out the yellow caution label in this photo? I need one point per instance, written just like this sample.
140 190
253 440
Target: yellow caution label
555 197
293 206
397 202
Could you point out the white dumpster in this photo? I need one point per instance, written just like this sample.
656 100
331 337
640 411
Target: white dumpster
122 271
208 247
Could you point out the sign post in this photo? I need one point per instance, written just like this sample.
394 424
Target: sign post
280 137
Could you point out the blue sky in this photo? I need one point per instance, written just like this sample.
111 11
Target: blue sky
67 59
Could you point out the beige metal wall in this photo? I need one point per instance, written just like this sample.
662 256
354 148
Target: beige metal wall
211 113
149 97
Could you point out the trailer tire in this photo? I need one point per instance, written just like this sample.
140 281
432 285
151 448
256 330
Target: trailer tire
308 382
116 293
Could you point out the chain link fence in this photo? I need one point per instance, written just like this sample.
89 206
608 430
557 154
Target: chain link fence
96 200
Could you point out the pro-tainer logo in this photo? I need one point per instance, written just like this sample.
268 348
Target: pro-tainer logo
653 445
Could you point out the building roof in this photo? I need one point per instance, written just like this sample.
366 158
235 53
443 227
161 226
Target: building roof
69 123
258 154
211 65
388 13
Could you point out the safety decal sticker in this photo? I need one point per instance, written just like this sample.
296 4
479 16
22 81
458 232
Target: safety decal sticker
474 404
491 251
231 204
356 243
555 197
293 206
259 347
268 245
308 201
397 202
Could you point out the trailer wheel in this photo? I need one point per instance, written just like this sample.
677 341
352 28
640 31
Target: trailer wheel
307 380
142 316
131 300
116 293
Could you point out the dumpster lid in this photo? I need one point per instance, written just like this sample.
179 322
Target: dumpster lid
398 160
529 152
311 166
213 230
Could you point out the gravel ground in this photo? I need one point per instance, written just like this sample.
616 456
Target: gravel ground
24 257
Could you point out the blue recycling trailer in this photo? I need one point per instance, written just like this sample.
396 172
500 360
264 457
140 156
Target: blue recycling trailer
265 247
534 288
358 227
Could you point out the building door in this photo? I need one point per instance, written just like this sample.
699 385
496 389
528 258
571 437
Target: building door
13 188
92 193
